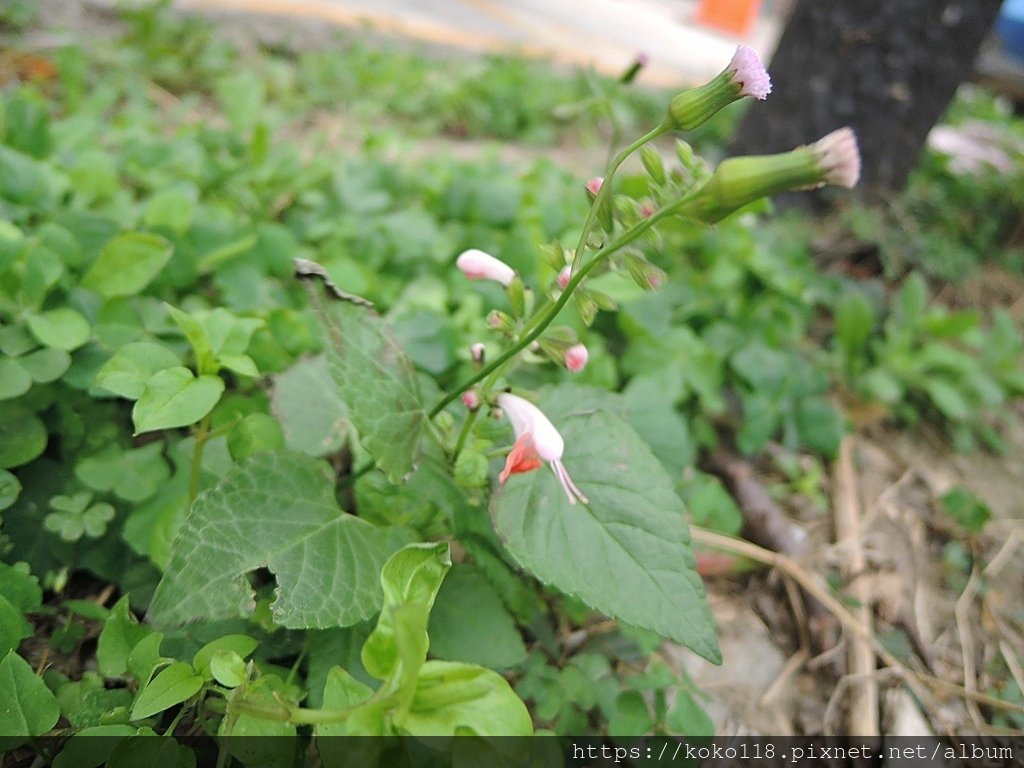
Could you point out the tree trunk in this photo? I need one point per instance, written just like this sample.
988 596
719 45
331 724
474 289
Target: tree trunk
887 68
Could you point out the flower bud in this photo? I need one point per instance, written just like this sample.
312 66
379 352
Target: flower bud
576 358
477 353
638 63
517 296
594 185
653 164
477 265
741 180
470 399
744 76
500 321
564 276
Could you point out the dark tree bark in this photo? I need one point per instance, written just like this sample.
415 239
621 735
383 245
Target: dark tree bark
888 68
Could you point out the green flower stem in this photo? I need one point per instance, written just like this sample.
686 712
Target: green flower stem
202 435
467 425
605 190
545 318
524 341
287 713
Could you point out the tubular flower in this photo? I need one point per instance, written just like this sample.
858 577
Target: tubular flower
477 265
744 76
537 441
576 358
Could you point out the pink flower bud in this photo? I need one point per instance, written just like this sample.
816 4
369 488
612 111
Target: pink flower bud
477 352
470 399
477 265
594 185
838 157
749 73
563 276
646 209
576 358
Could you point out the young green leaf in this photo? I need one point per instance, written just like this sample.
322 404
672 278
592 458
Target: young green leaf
411 576
121 632
174 397
127 264
228 668
275 510
626 552
341 691
172 685
60 328
242 645
455 698
127 372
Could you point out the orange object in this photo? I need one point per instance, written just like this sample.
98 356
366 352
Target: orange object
733 16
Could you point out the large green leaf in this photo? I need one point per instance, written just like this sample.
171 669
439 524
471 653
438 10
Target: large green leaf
275 510
377 382
469 622
127 264
305 401
626 552
27 708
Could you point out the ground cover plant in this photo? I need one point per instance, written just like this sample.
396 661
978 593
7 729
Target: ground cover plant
302 440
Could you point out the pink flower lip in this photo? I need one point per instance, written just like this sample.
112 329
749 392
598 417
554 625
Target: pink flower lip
749 73
477 265
576 358
537 441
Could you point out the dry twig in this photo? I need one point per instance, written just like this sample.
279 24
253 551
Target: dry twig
860 656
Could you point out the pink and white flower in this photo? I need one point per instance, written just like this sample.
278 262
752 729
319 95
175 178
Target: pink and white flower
839 157
477 352
537 441
576 358
749 73
470 399
594 185
477 265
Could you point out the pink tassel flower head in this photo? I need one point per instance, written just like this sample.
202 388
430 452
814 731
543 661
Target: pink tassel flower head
745 75
477 265
839 157
749 73
537 441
